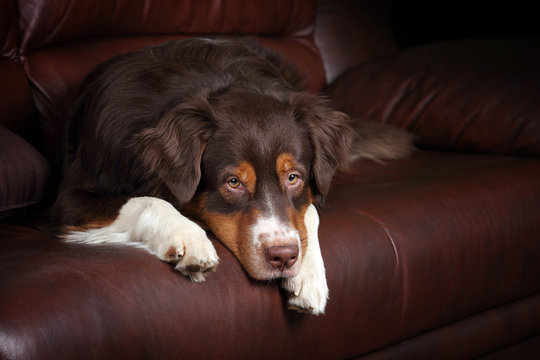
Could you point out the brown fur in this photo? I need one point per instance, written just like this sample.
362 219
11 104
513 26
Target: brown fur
179 120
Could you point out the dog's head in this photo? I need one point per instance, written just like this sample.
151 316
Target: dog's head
247 165
246 159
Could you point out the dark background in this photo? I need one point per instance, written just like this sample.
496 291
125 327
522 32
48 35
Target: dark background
417 22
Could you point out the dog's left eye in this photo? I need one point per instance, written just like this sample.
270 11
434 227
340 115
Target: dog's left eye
293 179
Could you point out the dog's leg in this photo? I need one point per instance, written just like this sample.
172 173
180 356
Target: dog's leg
155 225
308 289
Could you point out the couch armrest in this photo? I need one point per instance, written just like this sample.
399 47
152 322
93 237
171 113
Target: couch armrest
478 95
25 175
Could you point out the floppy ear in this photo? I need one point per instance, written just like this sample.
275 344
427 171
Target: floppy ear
331 138
173 149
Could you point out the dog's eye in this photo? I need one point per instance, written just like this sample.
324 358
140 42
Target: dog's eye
233 183
293 179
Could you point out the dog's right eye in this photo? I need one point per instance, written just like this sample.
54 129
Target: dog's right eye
234 183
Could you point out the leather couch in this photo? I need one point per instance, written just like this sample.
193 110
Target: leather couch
432 257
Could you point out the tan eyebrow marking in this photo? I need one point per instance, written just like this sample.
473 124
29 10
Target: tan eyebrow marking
246 175
285 164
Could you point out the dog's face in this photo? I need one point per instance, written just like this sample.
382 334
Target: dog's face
246 166
255 185
259 175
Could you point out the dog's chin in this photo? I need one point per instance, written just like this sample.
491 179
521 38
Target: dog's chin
265 272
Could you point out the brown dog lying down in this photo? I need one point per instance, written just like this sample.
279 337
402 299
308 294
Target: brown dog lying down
216 135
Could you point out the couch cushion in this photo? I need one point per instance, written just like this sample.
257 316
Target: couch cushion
463 232
478 95
25 174
409 246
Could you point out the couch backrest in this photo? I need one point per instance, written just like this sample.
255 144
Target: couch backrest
63 40
477 95
54 44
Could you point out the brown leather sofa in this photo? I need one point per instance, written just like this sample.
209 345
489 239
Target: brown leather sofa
432 257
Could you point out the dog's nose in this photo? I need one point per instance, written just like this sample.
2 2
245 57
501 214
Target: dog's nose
281 257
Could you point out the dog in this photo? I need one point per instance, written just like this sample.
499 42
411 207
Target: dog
211 135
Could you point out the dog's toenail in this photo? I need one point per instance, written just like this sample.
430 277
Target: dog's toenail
193 268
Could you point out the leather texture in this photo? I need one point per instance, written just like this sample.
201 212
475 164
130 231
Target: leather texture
415 247
432 257
339 21
47 23
478 95
507 325
17 110
25 173
8 29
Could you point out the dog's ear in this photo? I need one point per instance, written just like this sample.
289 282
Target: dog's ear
331 138
173 149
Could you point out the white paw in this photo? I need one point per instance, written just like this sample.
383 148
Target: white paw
191 251
307 293
171 236
308 289
155 225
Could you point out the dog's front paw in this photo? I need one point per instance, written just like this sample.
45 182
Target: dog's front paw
193 253
308 293
171 236
308 290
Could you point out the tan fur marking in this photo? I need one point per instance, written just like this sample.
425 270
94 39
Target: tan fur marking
247 175
172 254
195 208
225 227
297 221
94 224
231 229
285 166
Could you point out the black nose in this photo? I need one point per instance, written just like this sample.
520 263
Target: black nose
281 257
